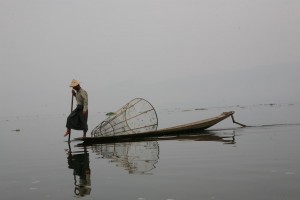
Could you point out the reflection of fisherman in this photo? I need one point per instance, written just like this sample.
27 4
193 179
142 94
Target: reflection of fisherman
80 164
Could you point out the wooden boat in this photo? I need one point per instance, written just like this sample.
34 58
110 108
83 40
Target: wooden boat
176 130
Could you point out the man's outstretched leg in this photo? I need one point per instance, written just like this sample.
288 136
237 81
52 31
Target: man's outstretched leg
67 132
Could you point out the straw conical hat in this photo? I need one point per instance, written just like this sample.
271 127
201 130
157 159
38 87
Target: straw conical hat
74 83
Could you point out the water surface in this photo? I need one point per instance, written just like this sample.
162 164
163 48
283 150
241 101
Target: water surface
259 162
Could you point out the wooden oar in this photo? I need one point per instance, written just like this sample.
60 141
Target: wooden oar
71 111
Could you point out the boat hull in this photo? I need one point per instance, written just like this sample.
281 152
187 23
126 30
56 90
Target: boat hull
176 130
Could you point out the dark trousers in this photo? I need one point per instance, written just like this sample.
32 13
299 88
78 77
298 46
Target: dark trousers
76 120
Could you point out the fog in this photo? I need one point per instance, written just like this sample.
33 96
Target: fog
173 53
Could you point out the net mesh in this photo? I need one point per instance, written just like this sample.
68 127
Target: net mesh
137 116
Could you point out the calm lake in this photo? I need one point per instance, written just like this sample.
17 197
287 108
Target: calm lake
226 162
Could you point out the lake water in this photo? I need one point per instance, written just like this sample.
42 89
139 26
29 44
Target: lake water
257 162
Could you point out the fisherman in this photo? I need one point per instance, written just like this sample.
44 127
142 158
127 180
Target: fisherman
77 120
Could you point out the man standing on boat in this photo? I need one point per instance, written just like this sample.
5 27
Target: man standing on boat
77 120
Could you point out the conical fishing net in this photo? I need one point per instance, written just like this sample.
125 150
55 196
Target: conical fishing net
137 116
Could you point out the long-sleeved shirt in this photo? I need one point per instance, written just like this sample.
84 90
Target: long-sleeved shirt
82 99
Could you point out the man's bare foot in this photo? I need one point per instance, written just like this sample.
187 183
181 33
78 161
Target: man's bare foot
67 133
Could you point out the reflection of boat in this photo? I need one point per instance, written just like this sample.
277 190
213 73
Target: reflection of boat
140 157
182 130
203 136
135 157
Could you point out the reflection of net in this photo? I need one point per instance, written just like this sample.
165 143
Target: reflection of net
135 157
137 116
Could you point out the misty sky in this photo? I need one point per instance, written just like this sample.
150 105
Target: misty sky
171 52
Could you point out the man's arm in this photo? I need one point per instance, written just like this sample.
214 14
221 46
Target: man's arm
85 102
